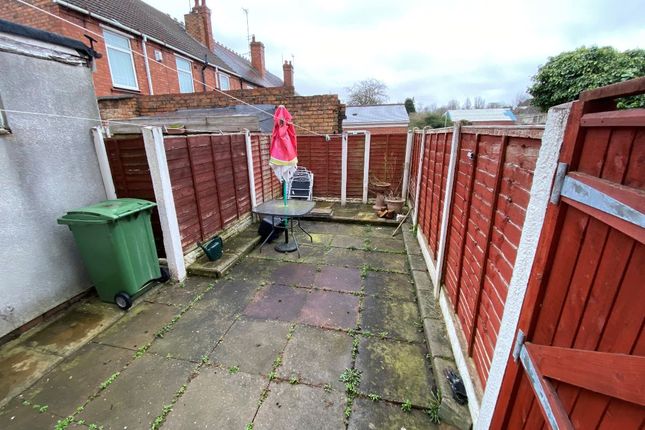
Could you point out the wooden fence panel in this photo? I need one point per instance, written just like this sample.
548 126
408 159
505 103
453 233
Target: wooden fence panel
355 163
593 289
493 176
131 176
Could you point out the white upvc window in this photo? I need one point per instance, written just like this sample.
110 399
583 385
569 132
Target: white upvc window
185 75
224 82
120 61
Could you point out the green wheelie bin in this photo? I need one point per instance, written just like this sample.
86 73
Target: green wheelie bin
117 246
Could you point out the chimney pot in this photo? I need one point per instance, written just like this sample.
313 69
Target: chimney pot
257 56
198 24
287 69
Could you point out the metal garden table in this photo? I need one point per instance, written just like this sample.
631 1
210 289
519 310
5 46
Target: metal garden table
294 210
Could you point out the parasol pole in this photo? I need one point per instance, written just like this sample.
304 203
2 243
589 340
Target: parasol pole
284 191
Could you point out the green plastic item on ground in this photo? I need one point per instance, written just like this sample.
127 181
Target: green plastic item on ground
117 246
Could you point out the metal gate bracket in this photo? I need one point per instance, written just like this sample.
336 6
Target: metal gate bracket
560 174
519 341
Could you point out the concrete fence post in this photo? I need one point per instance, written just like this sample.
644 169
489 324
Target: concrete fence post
156 154
343 179
366 165
406 165
249 164
104 162
545 169
447 204
419 171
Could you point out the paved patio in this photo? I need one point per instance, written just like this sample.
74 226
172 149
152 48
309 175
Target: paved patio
265 347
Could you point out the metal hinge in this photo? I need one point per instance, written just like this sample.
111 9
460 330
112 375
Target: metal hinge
519 341
560 174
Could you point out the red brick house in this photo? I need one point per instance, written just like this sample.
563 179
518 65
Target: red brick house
145 51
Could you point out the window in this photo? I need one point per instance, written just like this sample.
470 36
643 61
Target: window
224 82
120 60
185 75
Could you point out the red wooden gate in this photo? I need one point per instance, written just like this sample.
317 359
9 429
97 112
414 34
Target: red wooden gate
579 357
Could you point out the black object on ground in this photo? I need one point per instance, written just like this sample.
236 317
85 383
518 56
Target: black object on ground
457 387
265 230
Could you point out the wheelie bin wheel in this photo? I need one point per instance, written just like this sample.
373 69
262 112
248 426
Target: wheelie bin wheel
165 275
123 300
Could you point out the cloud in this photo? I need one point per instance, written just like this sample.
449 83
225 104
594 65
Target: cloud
433 51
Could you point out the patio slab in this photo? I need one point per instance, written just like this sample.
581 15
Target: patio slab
391 285
227 297
194 335
277 302
139 394
20 367
216 400
297 407
338 279
16 416
317 356
300 274
251 345
74 328
367 414
138 326
74 380
392 319
397 371
172 293
330 309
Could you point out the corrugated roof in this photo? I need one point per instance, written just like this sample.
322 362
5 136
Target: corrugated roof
376 114
146 19
479 115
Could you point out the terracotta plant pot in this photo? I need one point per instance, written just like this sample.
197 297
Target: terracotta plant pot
380 188
394 204
379 204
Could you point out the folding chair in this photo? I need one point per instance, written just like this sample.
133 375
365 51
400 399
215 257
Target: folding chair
301 185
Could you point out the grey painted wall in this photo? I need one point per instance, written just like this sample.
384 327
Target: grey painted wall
47 166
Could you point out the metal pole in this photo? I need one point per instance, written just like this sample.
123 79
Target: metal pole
343 180
366 165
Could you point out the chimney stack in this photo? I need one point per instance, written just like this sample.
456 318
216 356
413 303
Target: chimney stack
287 69
198 24
257 56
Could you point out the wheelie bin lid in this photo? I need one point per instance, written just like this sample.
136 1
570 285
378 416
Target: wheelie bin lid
107 211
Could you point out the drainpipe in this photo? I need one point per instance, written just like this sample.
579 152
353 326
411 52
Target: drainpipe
204 67
144 39
217 78
418 188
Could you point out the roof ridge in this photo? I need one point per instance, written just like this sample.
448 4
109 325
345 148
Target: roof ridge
231 50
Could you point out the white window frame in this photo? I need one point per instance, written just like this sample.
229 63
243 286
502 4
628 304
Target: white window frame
223 77
248 86
129 52
189 71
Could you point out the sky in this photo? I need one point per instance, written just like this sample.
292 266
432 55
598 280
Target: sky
430 50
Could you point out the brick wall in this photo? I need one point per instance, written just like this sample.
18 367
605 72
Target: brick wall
164 73
322 113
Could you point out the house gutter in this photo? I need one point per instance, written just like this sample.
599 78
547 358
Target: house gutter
144 39
133 31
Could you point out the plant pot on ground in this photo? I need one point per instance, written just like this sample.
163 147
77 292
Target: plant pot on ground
380 188
394 204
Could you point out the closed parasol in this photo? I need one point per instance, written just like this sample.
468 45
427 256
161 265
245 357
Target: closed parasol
284 148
